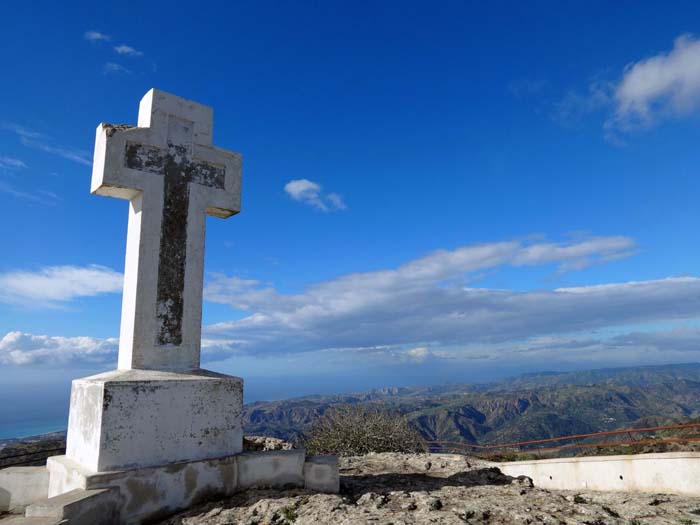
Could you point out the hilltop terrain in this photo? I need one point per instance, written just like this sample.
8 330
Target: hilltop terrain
447 489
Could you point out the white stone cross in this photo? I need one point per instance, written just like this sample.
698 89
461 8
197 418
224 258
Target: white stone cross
172 176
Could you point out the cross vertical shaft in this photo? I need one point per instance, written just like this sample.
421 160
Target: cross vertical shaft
172 176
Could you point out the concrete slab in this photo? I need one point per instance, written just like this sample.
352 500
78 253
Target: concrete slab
80 507
23 520
21 486
321 474
272 469
668 472
152 492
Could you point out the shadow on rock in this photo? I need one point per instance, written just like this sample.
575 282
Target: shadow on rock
355 486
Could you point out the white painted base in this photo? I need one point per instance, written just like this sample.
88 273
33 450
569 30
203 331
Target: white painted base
20 486
321 474
150 492
128 419
272 469
79 507
155 492
668 472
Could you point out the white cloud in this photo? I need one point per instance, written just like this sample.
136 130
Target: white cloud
302 189
18 348
123 49
114 68
425 300
419 354
11 163
664 85
326 318
57 284
421 313
309 192
96 36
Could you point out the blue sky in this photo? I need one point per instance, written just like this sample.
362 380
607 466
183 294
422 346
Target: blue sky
431 193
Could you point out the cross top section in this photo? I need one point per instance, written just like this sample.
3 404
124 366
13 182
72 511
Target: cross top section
172 175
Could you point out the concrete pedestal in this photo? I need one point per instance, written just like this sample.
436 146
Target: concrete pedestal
20 486
153 492
128 419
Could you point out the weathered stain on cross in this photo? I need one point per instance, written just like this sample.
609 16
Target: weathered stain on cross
172 175
179 170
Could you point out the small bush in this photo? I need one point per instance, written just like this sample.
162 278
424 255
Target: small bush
354 430
288 514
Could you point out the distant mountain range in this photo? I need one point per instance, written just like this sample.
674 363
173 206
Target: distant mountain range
530 406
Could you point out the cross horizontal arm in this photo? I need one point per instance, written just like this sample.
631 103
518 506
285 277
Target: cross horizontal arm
125 156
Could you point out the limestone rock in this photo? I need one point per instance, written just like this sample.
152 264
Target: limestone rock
264 444
398 489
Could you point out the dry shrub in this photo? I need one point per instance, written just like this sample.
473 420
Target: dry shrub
354 430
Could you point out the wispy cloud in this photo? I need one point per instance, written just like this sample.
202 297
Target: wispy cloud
54 285
96 36
112 68
79 156
21 131
574 107
123 49
43 197
36 140
50 194
527 87
680 343
310 193
11 163
336 201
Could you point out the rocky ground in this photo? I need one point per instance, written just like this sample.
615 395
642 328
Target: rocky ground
431 488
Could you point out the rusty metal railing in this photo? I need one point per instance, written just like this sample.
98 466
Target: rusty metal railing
537 446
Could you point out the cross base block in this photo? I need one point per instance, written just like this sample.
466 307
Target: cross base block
128 419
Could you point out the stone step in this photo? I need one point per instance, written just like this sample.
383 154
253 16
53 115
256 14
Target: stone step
23 520
80 507
22 486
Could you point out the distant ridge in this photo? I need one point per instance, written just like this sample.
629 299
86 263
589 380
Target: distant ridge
527 406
